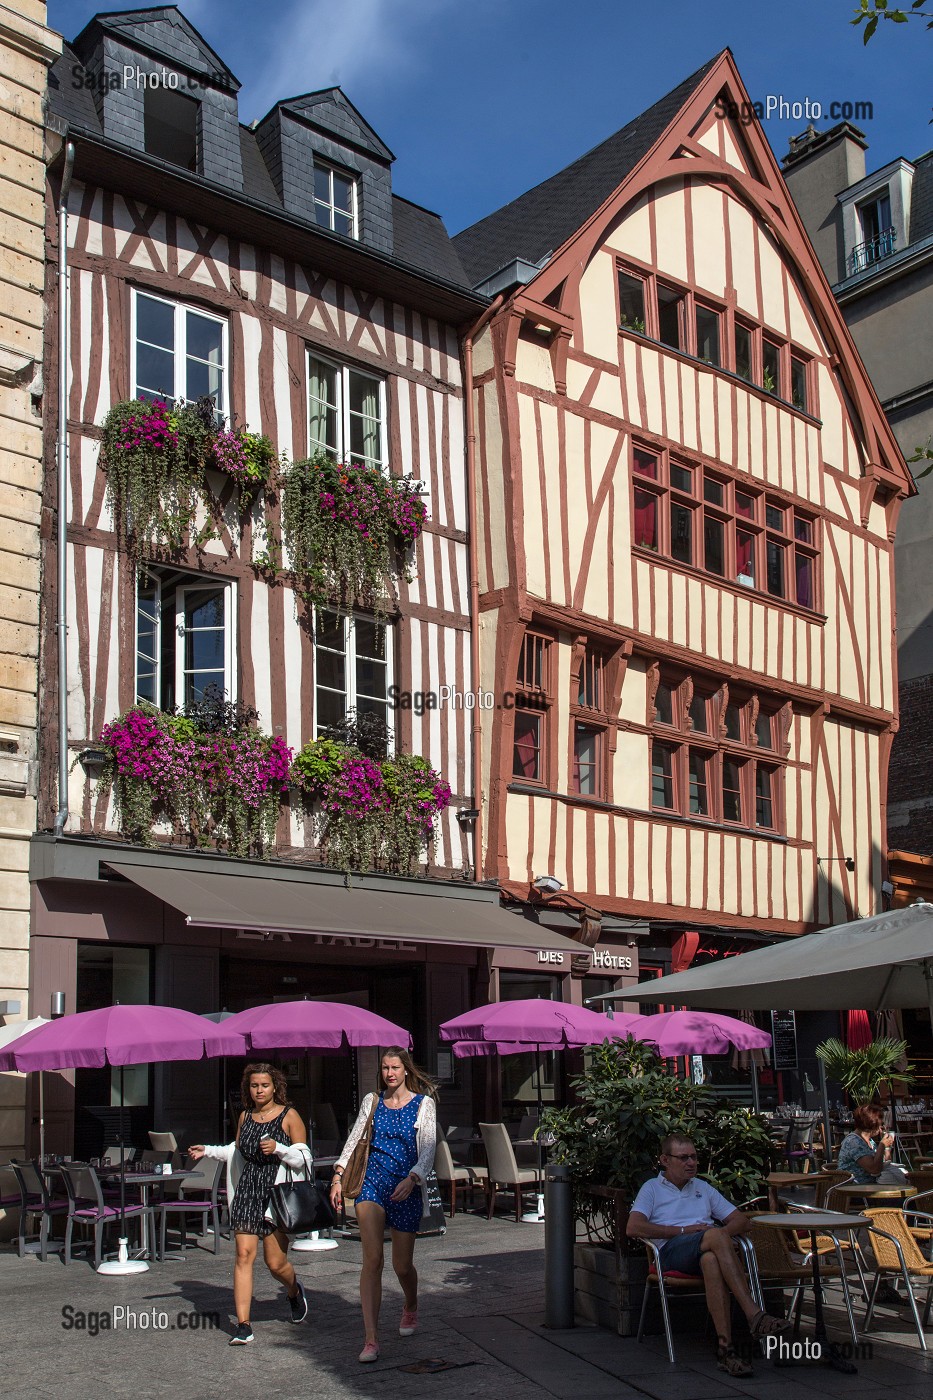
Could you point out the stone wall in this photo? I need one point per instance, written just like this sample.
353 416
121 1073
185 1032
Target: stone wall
27 47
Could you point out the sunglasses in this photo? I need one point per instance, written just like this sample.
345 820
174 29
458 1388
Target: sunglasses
683 1156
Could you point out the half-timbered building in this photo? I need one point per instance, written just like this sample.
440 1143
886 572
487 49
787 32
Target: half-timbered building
273 270
687 499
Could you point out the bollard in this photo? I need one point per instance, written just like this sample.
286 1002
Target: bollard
559 1234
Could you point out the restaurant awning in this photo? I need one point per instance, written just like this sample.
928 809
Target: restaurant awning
211 899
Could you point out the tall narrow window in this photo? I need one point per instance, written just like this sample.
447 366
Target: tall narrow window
662 776
346 416
526 746
764 797
671 317
532 702
352 669
586 760
335 200
178 352
184 637
631 302
707 333
591 681
732 790
798 384
699 783
743 352
771 368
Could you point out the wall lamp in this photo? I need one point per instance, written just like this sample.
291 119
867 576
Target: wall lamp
93 761
847 861
467 818
57 1005
547 884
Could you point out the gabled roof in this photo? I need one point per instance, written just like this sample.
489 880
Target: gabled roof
541 220
331 109
162 31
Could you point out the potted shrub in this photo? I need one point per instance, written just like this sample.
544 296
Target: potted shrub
861 1073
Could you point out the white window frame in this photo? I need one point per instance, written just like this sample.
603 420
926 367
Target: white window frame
331 170
197 582
349 644
343 405
180 309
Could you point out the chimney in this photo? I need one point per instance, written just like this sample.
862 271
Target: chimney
817 168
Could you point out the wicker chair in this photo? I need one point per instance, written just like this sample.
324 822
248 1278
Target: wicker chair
919 1209
897 1254
777 1263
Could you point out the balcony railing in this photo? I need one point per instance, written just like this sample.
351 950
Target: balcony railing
865 254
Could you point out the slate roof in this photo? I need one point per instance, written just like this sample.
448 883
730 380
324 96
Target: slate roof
541 221
420 239
921 203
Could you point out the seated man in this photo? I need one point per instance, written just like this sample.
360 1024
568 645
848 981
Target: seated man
678 1209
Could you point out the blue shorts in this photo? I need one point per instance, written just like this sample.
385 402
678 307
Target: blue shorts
400 1215
681 1254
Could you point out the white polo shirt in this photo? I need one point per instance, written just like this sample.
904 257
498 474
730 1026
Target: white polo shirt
663 1203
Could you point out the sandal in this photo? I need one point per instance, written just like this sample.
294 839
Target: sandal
764 1325
728 1360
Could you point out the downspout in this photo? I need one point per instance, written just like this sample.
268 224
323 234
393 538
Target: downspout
476 737
62 625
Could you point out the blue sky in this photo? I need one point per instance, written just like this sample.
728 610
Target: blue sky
481 99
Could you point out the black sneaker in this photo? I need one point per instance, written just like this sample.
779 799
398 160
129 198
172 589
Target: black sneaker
242 1335
298 1305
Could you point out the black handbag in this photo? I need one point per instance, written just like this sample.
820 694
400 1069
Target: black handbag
299 1206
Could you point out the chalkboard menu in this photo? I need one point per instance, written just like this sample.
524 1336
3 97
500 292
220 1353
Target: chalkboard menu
784 1037
434 1221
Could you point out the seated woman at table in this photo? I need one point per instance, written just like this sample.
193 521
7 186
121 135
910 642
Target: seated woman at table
870 1164
270 1139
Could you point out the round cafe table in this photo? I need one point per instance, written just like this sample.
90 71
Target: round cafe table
873 1192
833 1223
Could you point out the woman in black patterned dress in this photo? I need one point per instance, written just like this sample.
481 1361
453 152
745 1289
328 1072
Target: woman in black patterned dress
270 1135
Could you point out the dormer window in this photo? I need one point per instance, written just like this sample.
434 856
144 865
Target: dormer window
877 229
170 126
335 200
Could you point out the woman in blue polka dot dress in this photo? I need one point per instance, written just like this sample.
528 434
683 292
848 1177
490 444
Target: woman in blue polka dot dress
401 1154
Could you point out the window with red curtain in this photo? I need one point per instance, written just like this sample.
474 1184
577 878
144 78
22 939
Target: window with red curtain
646 520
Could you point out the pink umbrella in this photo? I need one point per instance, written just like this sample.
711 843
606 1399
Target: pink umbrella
697 1033
112 1035
328 1026
533 1023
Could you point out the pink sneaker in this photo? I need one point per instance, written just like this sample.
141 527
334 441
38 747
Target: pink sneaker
370 1352
409 1322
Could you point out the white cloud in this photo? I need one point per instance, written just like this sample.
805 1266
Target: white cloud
354 43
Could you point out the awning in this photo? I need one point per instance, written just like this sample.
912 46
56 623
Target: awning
210 899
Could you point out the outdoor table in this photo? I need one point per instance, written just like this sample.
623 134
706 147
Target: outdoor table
144 1180
775 1180
889 1191
832 1223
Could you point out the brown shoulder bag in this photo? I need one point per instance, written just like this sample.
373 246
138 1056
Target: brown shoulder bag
355 1171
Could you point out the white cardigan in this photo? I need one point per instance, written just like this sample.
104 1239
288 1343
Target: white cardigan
425 1140
297 1157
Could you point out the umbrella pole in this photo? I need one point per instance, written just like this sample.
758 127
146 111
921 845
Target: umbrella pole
42 1117
123 1264
536 1217
756 1097
827 1125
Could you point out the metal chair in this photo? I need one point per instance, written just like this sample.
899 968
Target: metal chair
163 1142
897 1252
681 1284
798 1148
504 1173
205 1203
87 1207
36 1200
918 1211
458 1178
13 1200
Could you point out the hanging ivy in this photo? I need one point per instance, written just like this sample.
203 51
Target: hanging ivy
347 528
368 815
157 456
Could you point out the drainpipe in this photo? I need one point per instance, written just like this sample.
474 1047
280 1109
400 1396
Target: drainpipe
477 729
61 815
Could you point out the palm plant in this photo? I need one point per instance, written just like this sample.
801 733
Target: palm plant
862 1072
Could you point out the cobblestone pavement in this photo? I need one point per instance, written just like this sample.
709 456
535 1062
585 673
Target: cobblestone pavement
481 1310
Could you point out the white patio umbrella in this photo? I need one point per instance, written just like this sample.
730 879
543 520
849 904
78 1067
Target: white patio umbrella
877 963
7 1036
